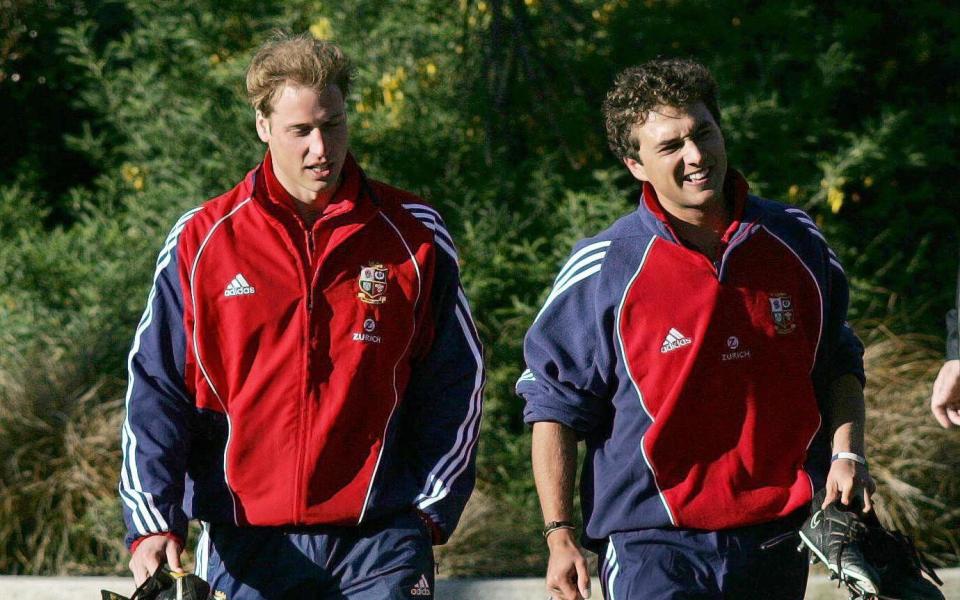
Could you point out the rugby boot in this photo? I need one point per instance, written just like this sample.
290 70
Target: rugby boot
836 535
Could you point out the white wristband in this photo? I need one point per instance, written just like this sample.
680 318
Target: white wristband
849 456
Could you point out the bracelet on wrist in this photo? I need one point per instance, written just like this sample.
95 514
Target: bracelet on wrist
849 456
555 525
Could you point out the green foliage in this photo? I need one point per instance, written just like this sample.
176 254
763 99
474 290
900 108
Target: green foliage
490 110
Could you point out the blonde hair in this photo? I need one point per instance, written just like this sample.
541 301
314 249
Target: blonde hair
298 59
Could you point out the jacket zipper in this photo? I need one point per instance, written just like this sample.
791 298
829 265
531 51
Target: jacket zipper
307 380
310 277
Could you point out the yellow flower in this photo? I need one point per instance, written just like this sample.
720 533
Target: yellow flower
129 172
867 181
793 192
835 199
322 29
482 6
431 69
214 59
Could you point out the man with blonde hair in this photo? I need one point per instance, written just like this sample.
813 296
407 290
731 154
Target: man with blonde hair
306 379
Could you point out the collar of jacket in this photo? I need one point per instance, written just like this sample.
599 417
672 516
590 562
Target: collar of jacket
353 203
745 213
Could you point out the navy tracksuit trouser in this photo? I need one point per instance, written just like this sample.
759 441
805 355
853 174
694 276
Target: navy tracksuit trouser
686 564
388 560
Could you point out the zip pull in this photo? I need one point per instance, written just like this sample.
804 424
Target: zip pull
777 540
309 278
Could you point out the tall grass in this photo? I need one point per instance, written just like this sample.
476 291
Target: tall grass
915 462
59 463
59 460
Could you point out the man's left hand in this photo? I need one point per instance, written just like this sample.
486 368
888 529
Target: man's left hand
847 480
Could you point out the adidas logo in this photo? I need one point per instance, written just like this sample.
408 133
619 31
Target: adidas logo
239 286
674 340
422 588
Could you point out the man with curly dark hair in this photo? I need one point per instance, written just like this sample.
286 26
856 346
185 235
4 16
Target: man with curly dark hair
712 373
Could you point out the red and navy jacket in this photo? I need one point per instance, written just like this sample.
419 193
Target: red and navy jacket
285 375
698 386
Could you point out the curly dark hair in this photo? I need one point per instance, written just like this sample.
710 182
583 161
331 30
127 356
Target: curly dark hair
673 82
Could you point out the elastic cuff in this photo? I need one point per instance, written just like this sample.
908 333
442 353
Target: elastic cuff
167 534
436 534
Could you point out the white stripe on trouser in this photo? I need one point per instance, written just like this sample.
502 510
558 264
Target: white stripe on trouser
613 569
203 551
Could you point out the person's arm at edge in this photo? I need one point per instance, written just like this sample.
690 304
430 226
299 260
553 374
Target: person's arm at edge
846 414
554 456
945 400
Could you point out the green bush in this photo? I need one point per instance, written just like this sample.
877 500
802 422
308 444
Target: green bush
490 110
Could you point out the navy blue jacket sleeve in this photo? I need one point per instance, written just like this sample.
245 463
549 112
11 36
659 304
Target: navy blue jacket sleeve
155 443
841 350
444 396
953 328
844 350
567 355
953 337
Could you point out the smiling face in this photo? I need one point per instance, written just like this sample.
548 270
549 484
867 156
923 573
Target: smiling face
683 156
308 140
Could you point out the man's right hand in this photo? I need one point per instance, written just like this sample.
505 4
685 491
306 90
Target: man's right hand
568 577
152 552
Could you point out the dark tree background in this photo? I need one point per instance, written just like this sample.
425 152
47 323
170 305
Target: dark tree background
119 114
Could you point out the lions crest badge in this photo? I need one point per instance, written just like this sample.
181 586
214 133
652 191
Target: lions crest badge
373 284
781 308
